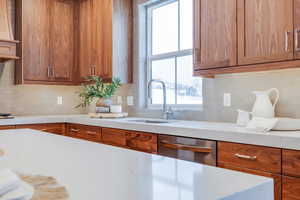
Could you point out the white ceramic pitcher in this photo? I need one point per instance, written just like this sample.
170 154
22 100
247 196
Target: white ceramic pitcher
263 106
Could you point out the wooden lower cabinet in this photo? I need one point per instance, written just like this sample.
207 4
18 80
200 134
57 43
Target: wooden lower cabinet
115 137
140 141
276 177
250 156
56 128
146 142
252 159
290 188
7 127
91 133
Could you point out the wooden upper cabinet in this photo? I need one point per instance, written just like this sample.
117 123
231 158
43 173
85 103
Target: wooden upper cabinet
265 31
62 39
297 28
46 30
85 38
215 35
103 38
96 38
34 32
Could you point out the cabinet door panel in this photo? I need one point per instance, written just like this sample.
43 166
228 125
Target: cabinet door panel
215 34
114 137
85 38
56 128
297 28
290 188
250 156
62 39
102 38
35 39
276 177
265 31
140 141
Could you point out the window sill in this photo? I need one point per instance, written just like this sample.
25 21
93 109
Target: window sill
197 108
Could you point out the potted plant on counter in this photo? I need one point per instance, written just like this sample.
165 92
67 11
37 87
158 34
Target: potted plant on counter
95 88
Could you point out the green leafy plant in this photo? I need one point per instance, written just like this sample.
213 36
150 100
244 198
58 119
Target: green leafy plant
96 88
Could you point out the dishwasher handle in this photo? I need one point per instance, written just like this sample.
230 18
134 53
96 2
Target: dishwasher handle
193 148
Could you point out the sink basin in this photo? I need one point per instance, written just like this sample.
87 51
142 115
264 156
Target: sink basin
151 121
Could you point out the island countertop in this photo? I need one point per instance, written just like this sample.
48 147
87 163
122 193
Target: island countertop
97 171
228 132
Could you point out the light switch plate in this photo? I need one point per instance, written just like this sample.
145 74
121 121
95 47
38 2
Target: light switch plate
227 99
130 101
59 100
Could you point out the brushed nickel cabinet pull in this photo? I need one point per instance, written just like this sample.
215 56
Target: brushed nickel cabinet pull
91 132
287 41
245 157
48 72
74 130
297 48
193 148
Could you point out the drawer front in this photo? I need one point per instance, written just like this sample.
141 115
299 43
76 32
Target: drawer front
56 128
276 177
195 150
250 156
7 48
7 127
291 163
114 137
91 133
140 141
290 188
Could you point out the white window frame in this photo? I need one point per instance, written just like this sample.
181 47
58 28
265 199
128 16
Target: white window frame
150 57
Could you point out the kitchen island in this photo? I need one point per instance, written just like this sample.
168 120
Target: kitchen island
93 171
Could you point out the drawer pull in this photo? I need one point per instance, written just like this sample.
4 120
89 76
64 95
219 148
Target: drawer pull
74 130
245 157
91 132
192 148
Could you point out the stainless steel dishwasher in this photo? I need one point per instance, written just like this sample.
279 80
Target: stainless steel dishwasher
190 149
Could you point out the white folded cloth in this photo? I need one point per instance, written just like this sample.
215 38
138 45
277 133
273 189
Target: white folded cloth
260 124
13 188
8 181
23 192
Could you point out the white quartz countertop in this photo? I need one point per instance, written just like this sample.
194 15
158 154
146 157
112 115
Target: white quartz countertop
197 129
92 171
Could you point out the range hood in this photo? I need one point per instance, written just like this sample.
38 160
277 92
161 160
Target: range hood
7 42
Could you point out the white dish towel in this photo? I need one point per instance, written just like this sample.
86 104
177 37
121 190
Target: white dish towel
262 124
13 188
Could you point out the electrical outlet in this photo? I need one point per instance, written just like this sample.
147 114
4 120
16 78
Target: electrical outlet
227 99
130 101
119 100
59 100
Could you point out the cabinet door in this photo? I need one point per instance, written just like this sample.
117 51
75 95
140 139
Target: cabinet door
35 39
265 31
62 39
290 188
146 142
85 38
297 28
56 128
276 177
215 34
102 38
115 137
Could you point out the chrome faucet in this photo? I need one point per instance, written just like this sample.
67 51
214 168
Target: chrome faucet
167 112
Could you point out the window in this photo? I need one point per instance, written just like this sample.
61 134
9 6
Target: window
169 53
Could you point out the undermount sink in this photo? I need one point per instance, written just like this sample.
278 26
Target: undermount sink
150 121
